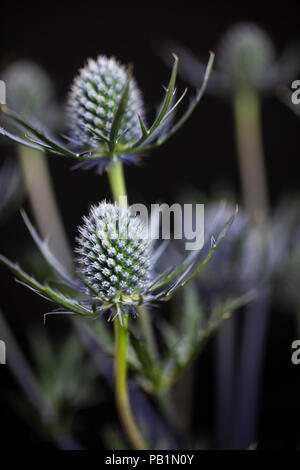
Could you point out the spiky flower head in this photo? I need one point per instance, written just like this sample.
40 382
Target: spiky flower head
114 254
115 266
94 99
245 55
106 117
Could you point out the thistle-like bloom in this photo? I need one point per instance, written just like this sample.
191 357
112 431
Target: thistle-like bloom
94 99
114 254
116 266
106 117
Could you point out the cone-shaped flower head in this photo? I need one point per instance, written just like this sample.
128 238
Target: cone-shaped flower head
245 55
94 99
114 254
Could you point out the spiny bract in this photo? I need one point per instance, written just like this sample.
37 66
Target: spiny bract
114 254
94 98
245 54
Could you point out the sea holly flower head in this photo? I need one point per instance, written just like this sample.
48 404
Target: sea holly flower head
116 266
94 99
114 254
106 117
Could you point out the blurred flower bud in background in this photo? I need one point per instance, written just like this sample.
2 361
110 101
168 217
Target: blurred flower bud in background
30 92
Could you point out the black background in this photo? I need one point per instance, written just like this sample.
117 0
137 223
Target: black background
202 155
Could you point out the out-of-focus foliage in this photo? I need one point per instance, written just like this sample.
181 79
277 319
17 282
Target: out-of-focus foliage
30 92
65 373
245 56
11 188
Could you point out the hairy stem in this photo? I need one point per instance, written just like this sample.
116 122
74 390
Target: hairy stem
118 188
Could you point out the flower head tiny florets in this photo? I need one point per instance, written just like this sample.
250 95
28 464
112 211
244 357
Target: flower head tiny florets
114 253
94 99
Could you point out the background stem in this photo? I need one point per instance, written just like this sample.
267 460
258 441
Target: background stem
43 203
255 194
147 331
250 149
225 372
250 371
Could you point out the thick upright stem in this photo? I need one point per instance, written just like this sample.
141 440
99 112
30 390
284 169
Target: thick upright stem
250 149
122 398
117 183
255 193
250 372
118 188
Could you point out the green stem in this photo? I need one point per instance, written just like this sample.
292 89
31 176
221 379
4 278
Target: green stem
255 193
117 183
122 399
250 149
43 203
118 188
